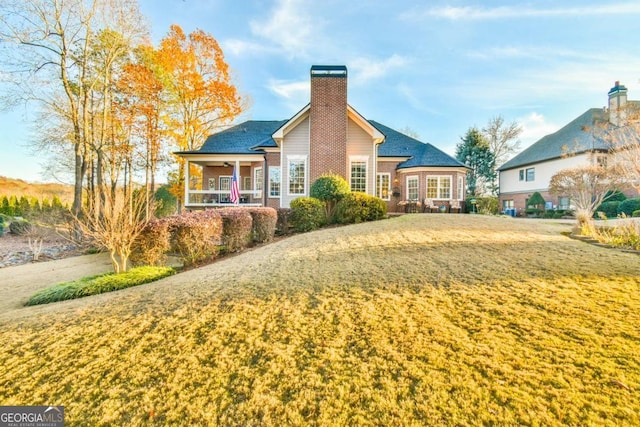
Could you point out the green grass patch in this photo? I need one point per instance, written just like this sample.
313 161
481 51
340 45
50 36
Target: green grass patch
99 284
437 320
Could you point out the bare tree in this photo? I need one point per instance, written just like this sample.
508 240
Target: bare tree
587 187
502 138
624 141
121 221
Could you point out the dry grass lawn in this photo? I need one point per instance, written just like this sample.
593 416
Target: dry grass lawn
419 320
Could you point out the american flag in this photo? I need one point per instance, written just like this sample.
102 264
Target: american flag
235 191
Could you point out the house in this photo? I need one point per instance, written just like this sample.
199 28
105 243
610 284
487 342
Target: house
580 142
279 160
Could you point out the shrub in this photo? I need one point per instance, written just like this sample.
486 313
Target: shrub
488 205
609 209
165 201
308 214
152 245
264 224
636 214
329 189
360 207
99 284
283 222
196 236
535 204
1 225
237 226
628 206
615 196
20 227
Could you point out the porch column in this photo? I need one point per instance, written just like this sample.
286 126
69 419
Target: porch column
187 178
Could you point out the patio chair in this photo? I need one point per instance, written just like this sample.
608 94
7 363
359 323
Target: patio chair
430 206
455 204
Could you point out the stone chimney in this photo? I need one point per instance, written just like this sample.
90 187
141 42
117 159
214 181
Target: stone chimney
328 121
617 103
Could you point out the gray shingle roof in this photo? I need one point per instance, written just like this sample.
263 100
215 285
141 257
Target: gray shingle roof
575 137
250 136
397 144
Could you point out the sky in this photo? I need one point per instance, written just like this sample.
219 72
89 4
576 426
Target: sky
434 68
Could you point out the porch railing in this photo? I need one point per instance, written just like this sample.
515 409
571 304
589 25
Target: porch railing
205 198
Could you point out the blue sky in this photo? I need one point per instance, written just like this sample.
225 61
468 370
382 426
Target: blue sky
436 68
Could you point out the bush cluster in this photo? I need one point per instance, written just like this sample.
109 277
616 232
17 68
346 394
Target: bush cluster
359 207
20 227
609 209
237 226
153 244
264 224
636 214
196 236
308 214
628 206
24 206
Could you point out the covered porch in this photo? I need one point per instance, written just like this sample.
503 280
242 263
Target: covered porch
208 180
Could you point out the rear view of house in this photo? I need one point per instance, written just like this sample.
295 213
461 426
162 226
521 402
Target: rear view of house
279 160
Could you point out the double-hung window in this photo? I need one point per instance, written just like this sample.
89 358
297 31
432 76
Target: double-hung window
274 181
531 174
258 178
297 168
439 187
359 174
383 182
412 187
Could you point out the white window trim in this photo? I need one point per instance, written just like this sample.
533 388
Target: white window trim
220 178
257 173
388 186
360 159
269 189
439 186
460 188
526 174
417 179
291 158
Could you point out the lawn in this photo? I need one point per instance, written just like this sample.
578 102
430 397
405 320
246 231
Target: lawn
419 320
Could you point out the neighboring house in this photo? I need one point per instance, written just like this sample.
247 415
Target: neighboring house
279 160
580 142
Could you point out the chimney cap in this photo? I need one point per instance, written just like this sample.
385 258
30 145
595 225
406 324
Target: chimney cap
617 88
328 71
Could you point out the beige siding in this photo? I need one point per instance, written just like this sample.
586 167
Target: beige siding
360 145
296 143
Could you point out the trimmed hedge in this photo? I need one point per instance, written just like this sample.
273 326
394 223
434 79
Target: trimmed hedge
237 225
99 284
152 245
308 214
636 214
359 207
196 236
628 206
609 209
264 224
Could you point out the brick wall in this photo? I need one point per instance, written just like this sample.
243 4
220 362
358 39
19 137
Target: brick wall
328 126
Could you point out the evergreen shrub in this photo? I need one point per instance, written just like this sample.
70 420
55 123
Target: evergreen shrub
308 214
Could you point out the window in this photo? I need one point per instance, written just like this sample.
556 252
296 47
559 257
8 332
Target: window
257 179
274 181
412 188
359 176
531 174
460 188
507 204
432 187
563 203
521 174
225 183
297 175
383 181
246 183
601 161
438 187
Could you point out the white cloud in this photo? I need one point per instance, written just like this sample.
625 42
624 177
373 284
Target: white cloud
239 47
535 126
477 13
289 90
363 70
290 27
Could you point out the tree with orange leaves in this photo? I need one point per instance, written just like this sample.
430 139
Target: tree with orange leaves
201 97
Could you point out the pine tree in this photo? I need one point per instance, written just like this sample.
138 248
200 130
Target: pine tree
475 152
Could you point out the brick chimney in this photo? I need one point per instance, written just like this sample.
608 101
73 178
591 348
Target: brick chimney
328 121
617 102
